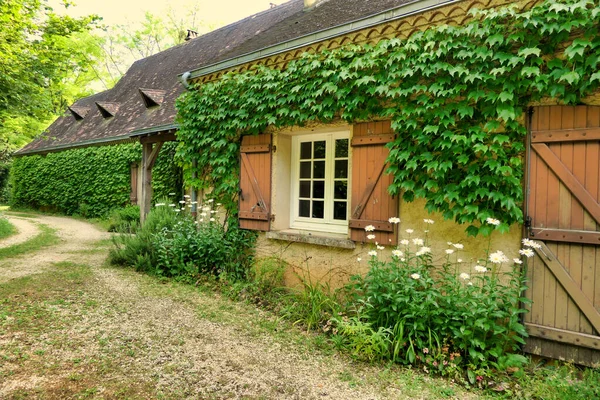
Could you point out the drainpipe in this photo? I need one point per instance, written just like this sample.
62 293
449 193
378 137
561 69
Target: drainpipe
194 192
184 79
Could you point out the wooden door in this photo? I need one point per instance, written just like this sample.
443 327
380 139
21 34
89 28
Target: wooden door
563 213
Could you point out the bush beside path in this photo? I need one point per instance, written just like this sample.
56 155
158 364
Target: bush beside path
70 327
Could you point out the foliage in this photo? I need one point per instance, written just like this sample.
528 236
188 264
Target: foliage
172 244
124 220
89 181
456 95
6 228
434 316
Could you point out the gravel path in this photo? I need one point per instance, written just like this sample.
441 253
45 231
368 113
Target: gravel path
25 231
171 346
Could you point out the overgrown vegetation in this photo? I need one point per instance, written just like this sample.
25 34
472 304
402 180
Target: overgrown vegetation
90 181
6 228
456 95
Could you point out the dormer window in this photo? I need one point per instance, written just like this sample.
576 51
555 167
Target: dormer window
78 113
108 110
152 97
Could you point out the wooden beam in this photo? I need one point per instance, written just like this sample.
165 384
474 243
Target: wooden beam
571 287
160 138
153 155
569 180
563 336
564 235
565 135
149 155
372 139
381 226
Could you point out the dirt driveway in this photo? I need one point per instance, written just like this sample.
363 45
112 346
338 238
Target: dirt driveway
71 327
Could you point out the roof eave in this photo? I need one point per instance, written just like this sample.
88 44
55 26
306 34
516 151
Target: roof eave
399 12
69 146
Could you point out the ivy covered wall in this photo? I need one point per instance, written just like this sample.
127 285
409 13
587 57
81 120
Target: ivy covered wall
456 97
87 181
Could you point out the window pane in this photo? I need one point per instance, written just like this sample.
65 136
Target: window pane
304 188
318 209
319 149
305 169
318 190
339 210
304 209
341 148
305 150
319 169
341 169
340 190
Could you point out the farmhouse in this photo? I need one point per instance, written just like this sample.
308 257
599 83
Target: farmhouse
343 115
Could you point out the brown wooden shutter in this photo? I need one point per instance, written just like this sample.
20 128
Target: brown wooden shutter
133 196
371 202
255 183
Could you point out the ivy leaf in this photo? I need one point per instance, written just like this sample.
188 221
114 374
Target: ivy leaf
595 76
526 52
570 77
530 71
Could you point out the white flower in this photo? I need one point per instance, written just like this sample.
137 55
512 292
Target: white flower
423 250
213 212
404 242
492 221
409 231
458 246
498 257
171 194
172 205
480 268
196 222
186 196
449 243
464 276
212 220
194 202
359 259
370 237
428 221
459 260
203 214
369 228
397 253
211 200
449 251
418 242
219 204
380 248
177 210
159 204
394 220
205 208
415 276
201 219
517 261
531 243
181 201
372 253
526 252
470 283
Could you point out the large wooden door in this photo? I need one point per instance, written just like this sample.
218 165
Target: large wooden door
564 217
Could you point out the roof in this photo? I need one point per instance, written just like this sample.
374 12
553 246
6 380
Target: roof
112 115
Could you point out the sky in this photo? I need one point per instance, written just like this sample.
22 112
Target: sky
113 12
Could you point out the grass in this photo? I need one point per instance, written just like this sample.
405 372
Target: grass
6 228
46 237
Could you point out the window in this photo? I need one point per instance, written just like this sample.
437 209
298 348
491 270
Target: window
320 171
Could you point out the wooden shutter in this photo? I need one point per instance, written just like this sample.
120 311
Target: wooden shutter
255 183
133 196
371 204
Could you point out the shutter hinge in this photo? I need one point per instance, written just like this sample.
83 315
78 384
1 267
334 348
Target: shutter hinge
274 149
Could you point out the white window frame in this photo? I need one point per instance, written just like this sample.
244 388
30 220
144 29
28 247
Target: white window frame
327 224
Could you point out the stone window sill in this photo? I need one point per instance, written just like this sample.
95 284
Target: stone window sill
316 238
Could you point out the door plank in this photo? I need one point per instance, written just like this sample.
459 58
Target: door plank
572 183
564 336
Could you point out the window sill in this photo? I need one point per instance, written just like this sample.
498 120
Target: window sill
317 238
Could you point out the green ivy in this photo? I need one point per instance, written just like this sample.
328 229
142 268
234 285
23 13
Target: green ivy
456 97
88 181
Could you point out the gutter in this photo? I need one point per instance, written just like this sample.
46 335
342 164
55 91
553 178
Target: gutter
153 129
399 12
69 146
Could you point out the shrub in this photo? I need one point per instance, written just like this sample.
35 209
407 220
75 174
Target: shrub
433 315
124 220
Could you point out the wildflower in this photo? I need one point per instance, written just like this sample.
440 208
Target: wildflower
517 261
404 242
425 350
415 276
464 276
359 259
498 257
219 204
186 196
194 202
372 253
181 201
370 237
201 219
526 252
397 253
492 221
159 204
196 222
435 363
418 242
177 210
211 200
205 208
172 205
394 220
480 268
409 231
171 194
213 212
449 243
380 247
203 214
449 251
428 221
212 220
458 246
369 228
470 283
459 260
423 250
531 243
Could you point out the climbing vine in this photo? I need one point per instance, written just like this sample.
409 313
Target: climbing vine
456 96
88 181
